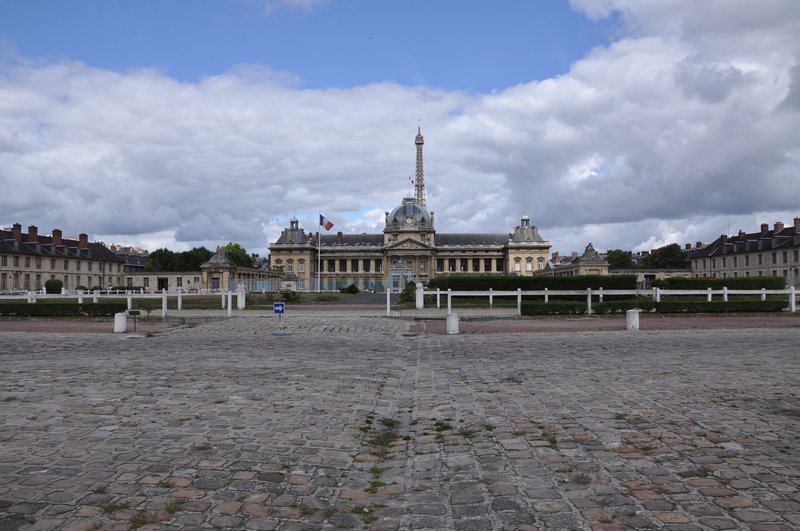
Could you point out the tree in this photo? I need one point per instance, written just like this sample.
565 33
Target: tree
619 259
667 257
238 255
192 260
161 260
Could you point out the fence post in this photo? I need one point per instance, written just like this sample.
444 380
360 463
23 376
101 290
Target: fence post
600 295
230 303
491 298
80 298
180 299
223 300
130 302
163 303
724 294
792 300
709 294
94 296
546 296
438 305
588 301
449 300
519 301
656 295
420 297
763 294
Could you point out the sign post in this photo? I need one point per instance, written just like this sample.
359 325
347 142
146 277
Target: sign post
279 309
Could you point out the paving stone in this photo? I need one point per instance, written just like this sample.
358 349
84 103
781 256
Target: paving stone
231 426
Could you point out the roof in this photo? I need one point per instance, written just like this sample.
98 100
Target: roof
218 261
43 246
362 239
784 238
472 238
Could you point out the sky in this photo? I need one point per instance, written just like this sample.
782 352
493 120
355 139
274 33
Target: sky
177 124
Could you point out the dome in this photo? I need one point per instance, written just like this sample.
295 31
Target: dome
410 214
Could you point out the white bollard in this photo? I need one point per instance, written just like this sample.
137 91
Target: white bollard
163 303
130 302
94 296
120 323
230 301
223 300
632 319
420 297
452 323
240 299
180 299
388 301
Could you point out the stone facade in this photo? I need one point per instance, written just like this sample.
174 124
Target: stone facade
769 252
28 260
589 263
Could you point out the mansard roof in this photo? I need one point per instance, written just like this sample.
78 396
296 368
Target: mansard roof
783 238
42 246
362 239
472 238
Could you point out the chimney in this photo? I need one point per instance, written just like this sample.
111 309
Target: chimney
797 224
698 245
688 246
723 239
741 233
339 237
33 233
57 237
764 228
83 241
778 226
556 256
574 255
16 231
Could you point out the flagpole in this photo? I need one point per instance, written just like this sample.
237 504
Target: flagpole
319 253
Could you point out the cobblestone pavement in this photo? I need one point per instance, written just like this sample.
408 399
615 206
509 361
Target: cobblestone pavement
357 422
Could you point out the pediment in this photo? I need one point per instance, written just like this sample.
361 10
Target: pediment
409 243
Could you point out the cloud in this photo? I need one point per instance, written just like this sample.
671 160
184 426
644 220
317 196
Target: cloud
270 6
665 135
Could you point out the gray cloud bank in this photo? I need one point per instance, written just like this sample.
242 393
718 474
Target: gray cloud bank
686 126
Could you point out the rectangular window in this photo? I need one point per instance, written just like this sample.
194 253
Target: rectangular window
302 267
423 266
66 265
529 265
451 265
785 256
38 263
487 265
342 266
464 265
354 265
735 261
378 266
517 265
16 261
27 261
146 282
500 265
89 266
713 263
179 282
796 256
476 264
439 264
760 259
747 273
129 282
747 260
774 258
367 266
724 262
5 261
331 266
290 266
78 265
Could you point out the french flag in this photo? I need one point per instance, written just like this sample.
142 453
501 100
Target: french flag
325 222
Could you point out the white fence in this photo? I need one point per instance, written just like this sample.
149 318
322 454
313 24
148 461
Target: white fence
655 293
226 297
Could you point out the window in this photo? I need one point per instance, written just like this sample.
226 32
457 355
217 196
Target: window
724 262
89 266
290 266
342 266
367 266
713 263
439 264
540 263
119 268
38 263
476 264
78 265
354 265
378 266
487 264
529 265
27 261
774 258
129 282
66 265
331 266
423 266
735 261
5 261
517 264
179 282
16 261
451 265
301 266
760 259
464 265
785 256
747 260
796 256
146 282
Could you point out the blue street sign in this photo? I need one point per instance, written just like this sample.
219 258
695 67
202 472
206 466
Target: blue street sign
278 308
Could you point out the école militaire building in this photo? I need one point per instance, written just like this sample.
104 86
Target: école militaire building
409 249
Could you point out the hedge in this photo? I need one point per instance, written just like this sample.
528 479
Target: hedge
719 283
43 309
721 307
512 282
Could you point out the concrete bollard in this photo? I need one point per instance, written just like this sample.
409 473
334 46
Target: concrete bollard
240 299
420 297
452 323
120 323
632 319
